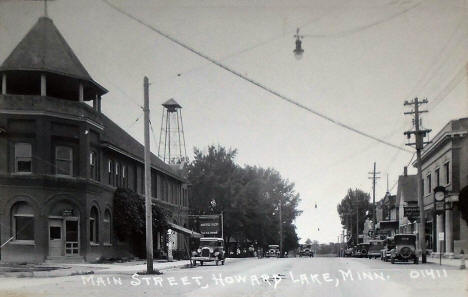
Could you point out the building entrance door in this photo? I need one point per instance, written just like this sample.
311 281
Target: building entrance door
55 237
72 238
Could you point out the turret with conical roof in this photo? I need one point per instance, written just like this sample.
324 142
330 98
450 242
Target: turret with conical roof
44 64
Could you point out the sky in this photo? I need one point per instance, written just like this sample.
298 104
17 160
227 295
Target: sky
362 60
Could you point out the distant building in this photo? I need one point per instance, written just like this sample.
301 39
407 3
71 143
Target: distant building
387 216
407 201
61 160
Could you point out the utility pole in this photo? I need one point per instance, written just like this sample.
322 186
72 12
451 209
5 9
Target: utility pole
419 144
373 177
149 219
357 222
281 227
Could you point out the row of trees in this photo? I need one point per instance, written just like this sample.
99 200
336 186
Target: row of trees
248 196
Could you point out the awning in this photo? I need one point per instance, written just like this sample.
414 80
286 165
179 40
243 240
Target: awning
387 225
185 231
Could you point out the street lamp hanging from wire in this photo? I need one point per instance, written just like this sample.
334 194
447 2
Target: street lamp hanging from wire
298 51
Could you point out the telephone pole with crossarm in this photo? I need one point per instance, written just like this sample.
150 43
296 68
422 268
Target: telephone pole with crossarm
419 143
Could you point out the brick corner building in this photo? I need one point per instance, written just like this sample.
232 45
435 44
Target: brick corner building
61 159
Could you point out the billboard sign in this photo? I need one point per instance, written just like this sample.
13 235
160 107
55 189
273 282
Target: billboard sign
208 225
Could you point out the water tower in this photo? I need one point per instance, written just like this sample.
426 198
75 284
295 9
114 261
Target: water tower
172 139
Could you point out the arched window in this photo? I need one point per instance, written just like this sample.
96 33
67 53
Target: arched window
94 225
22 222
107 226
23 157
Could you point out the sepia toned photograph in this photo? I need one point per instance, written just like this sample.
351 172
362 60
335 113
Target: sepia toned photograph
233 148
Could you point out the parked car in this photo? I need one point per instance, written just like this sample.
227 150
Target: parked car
362 250
306 251
389 245
211 249
348 252
375 245
273 251
405 249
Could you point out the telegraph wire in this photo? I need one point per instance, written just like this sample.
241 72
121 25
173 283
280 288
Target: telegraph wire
135 121
361 28
254 82
396 182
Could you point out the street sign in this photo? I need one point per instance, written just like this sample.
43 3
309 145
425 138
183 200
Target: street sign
441 236
439 206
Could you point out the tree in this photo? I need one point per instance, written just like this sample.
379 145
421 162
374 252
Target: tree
355 202
248 196
129 220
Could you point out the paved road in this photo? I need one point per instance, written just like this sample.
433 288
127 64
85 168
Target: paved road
261 277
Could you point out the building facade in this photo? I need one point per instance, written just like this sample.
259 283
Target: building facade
407 199
445 163
61 159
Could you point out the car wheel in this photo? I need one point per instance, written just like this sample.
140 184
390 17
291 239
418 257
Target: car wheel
416 260
201 263
222 262
217 262
393 261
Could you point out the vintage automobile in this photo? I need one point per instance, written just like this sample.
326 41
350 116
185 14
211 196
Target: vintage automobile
211 249
306 251
405 249
362 249
375 245
348 252
386 252
273 251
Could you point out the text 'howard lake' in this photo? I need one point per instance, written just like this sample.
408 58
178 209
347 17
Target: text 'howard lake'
271 280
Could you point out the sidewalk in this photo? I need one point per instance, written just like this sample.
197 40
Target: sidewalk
445 261
57 270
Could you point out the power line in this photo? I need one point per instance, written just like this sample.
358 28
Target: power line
258 84
135 121
442 95
364 27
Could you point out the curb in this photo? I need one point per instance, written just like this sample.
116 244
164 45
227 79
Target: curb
69 271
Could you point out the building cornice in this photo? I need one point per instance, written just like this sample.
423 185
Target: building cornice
135 158
52 114
439 142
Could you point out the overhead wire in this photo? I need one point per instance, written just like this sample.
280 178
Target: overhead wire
254 82
364 27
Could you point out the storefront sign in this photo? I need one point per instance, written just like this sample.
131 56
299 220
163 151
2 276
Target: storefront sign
411 212
441 236
208 225
439 206
67 212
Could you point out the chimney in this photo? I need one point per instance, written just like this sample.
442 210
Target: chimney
405 171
